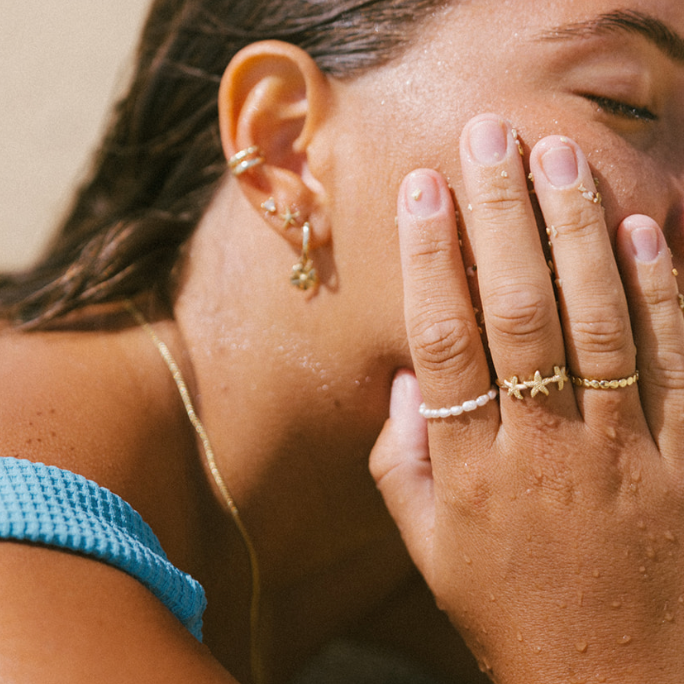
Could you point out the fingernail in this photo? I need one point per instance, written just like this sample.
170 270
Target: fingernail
645 243
423 197
560 165
400 388
488 142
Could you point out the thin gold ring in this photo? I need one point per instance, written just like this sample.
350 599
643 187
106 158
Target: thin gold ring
590 383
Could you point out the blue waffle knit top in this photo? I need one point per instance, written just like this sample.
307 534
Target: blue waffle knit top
55 507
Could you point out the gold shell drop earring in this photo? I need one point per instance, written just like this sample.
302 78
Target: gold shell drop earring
304 275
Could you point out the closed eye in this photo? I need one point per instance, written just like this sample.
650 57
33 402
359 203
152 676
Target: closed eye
621 109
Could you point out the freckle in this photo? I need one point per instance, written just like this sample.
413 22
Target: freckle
417 194
53 433
581 646
624 640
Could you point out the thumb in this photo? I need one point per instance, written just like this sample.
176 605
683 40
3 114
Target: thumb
400 464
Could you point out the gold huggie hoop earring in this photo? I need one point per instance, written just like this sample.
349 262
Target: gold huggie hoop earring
304 274
245 159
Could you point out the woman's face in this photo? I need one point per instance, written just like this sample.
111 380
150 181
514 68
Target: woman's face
607 73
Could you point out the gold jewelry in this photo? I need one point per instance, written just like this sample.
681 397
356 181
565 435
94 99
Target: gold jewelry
605 384
304 275
290 218
245 159
269 206
538 384
227 497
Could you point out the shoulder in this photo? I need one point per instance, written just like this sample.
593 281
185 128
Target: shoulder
102 405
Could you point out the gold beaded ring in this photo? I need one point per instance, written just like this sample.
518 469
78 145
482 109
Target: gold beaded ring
589 383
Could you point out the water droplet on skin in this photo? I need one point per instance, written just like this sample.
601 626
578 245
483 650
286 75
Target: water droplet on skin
562 604
636 475
611 433
539 474
669 617
624 640
669 536
633 488
519 636
528 536
650 552
581 646
642 568
580 598
538 649
492 598
616 604
468 559
601 678
596 573
641 525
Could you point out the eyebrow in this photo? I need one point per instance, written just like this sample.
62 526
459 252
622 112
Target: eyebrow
624 21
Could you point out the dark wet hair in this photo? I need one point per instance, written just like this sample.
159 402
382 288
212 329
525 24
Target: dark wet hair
161 160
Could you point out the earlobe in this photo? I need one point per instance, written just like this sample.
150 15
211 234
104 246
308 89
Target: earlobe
271 103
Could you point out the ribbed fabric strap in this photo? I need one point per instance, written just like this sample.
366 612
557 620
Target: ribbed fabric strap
56 507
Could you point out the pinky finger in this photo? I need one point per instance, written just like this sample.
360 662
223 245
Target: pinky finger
658 327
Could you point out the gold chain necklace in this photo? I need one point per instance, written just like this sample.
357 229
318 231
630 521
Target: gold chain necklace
220 484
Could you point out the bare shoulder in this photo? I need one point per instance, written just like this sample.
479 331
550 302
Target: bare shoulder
103 405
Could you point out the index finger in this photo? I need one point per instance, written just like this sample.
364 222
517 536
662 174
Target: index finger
447 352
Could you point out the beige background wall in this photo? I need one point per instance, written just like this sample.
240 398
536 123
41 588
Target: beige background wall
61 64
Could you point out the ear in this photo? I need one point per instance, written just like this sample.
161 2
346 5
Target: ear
274 96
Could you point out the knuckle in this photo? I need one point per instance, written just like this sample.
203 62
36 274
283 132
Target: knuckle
439 342
663 370
500 200
596 333
518 311
584 221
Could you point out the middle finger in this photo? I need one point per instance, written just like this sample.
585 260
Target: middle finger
523 329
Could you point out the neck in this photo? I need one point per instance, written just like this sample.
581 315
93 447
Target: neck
297 469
